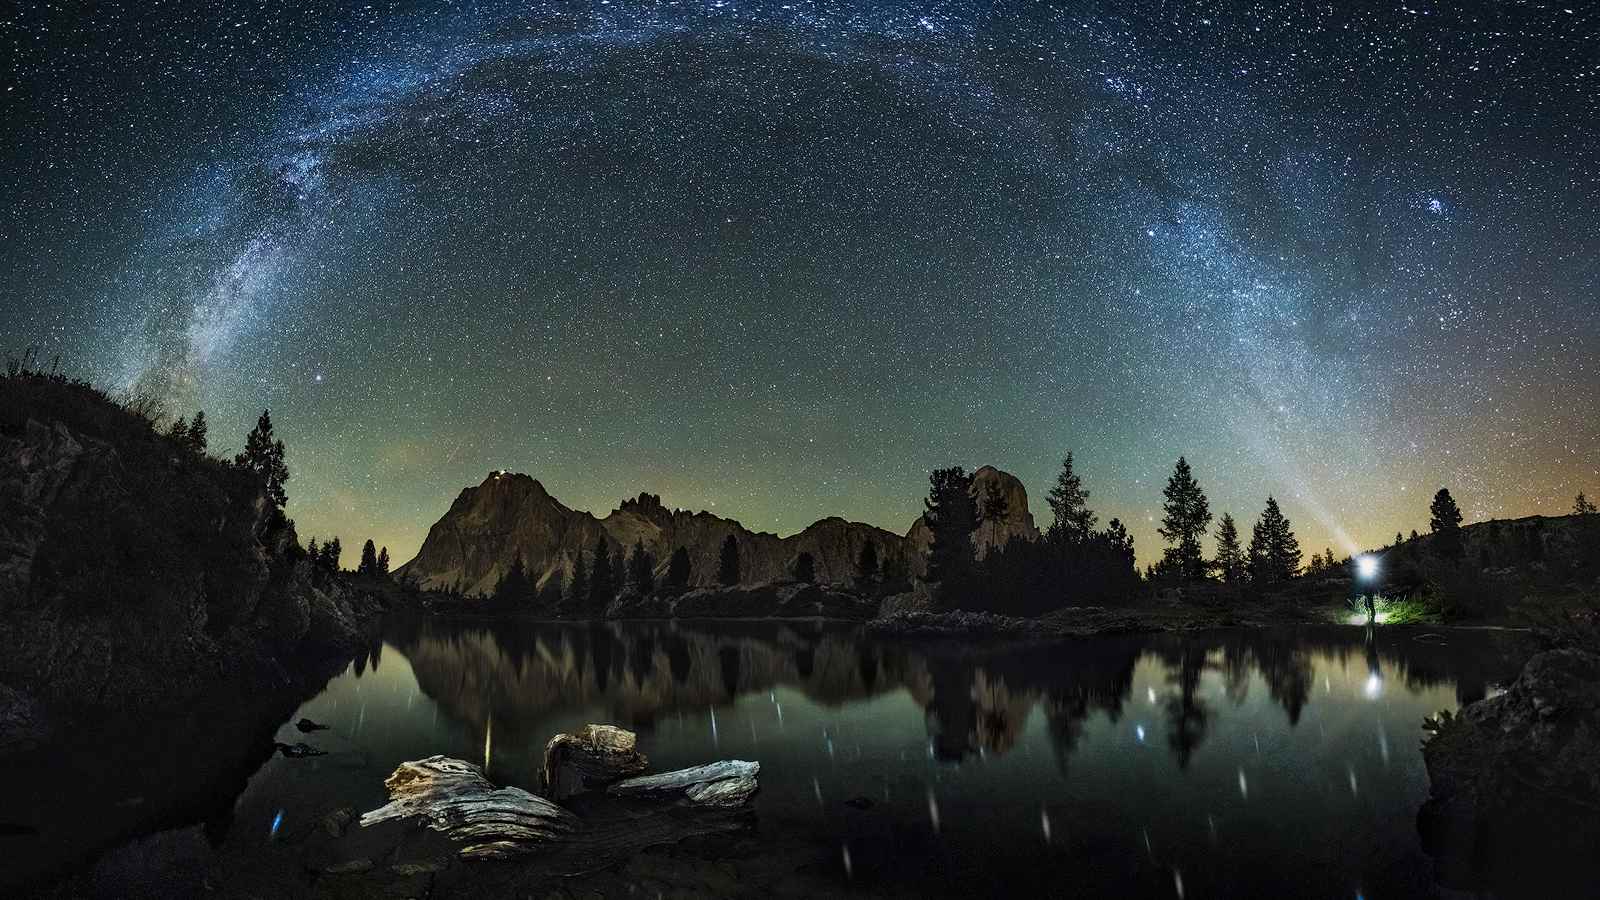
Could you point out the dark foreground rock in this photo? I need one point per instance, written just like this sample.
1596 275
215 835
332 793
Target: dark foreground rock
135 574
1515 793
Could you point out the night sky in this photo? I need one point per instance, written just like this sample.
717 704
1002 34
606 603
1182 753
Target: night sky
778 260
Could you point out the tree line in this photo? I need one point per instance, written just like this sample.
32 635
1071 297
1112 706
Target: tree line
264 456
1078 563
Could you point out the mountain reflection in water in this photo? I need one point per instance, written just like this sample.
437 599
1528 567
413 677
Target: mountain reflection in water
1227 763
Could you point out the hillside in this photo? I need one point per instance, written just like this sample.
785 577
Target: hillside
135 573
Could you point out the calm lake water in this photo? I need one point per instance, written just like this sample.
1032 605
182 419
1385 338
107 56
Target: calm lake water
1222 764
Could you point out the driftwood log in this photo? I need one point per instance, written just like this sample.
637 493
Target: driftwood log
454 798
594 757
724 784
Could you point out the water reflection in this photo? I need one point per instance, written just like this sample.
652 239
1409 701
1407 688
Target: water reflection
1228 763
515 678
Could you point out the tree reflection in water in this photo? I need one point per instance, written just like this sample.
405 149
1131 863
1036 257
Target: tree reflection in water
975 701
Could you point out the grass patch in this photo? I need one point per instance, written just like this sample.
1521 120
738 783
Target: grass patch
1408 610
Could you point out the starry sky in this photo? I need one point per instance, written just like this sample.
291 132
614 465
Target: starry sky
779 259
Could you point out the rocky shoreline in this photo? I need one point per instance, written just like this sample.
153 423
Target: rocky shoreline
1515 781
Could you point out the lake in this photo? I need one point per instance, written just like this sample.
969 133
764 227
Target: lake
1232 763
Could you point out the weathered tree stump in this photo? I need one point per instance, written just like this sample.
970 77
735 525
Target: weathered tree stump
453 797
724 784
596 756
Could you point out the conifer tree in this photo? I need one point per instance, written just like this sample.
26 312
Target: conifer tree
1274 551
516 588
1120 544
313 552
679 568
1582 506
179 431
1187 514
196 437
1230 562
369 559
805 568
383 562
1118 537
867 562
1445 520
728 565
952 516
995 505
263 455
602 576
331 551
1069 502
641 568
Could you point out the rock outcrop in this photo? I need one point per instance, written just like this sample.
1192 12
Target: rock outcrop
488 526
135 574
1515 780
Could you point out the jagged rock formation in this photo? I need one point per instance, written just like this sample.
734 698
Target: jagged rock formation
487 526
134 574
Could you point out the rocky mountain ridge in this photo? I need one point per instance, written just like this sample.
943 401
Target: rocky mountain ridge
487 526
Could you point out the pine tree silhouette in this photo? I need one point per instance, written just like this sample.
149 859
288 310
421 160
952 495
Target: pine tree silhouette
805 568
329 558
952 516
867 562
1187 514
383 562
679 568
196 437
641 569
1445 520
1230 562
1069 502
728 566
263 455
1274 551
602 577
369 559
